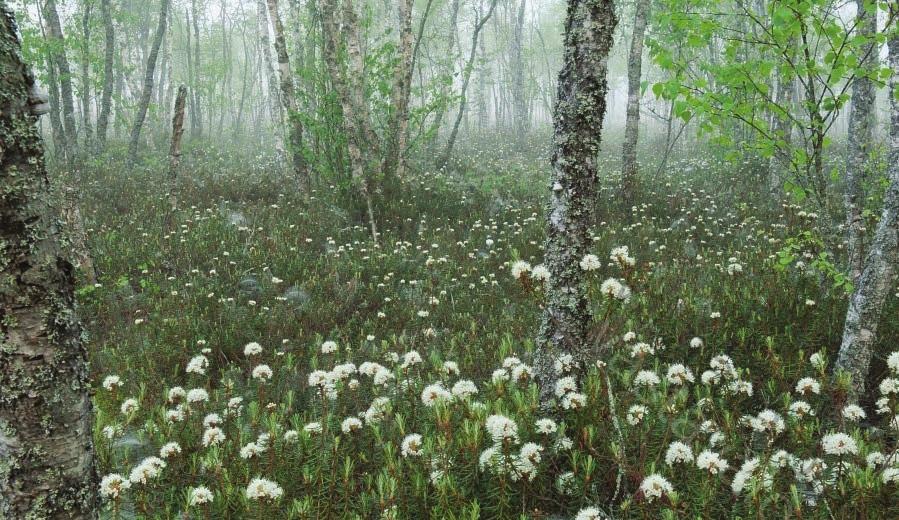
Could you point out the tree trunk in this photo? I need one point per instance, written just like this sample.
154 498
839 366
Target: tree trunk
861 115
348 97
272 82
449 66
519 99
147 92
466 80
108 75
879 272
197 70
65 79
578 118
45 412
175 148
289 98
783 129
394 157
632 122
85 74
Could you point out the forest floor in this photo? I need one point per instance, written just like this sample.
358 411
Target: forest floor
249 260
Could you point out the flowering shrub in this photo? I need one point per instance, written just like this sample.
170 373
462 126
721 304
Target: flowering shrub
281 365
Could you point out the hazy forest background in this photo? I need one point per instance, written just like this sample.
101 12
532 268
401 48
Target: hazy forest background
449 259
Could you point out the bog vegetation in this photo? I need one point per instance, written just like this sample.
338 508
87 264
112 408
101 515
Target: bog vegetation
391 270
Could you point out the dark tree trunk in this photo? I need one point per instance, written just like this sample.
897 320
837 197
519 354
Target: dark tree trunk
65 80
579 112
175 148
147 91
108 74
85 74
45 411
466 81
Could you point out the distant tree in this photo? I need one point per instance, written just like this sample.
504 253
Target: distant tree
149 72
46 452
634 87
579 112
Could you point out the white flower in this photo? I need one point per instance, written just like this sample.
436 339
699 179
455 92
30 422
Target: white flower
565 385
696 342
197 395
197 365
590 263
817 360
111 382
313 427
129 406
377 411
213 436
451 368
893 362
768 421
329 347
291 436
621 255
501 428
319 378
679 374
636 413
149 468
252 349
262 372
212 419
263 489
499 375
411 358
113 485
540 273
590 513
434 393
251 450
890 476
678 452
646 378
520 268
654 486
889 386
546 426
629 336
745 474
200 495
175 393
875 458
350 424
564 363
612 288
808 385
839 444
169 449
574 401
464 388
853 412
412 445
711 462
800 409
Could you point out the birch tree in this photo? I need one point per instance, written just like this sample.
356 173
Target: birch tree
578 117
394 156
147 91
880 267
632 121
47 468
61 62
108 73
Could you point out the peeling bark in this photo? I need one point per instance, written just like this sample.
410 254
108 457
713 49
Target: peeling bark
861 115
46 454
879 273
394 157
578 118
175 148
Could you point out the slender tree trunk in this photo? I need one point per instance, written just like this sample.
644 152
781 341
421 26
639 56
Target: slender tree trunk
45 413
394 157
632 121
271 80
59 133
108 74
578 119
147 92
880 268
466 80
449 65
197 107
289 98
348 96
861 115
175 148
519 99
85 74
783 129
65 79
